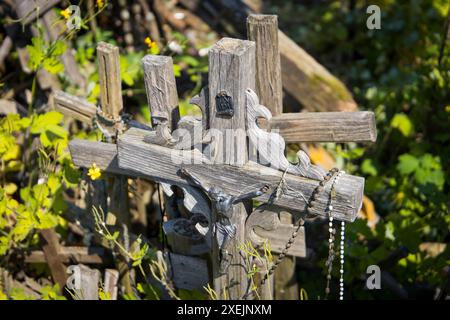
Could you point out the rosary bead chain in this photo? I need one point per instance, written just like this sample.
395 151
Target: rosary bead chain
341 280
301 223
331 239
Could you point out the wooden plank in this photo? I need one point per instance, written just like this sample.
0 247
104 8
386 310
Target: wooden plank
89 280
112 108
326 126
51 250
273 224
231 72
309 82
111 279
188 273
279 238
86 255
286 283
28 10
263 30
161 164
104 155
75 107
161 90
110 82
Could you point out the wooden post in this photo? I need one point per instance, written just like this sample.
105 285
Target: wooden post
111 279
161 90
263 29
231 72
112 107
89 279
109 78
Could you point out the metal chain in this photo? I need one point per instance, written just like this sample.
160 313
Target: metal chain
301 222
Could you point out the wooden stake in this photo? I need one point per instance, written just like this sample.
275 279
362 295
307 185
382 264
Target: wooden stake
161 90
109 77
263 29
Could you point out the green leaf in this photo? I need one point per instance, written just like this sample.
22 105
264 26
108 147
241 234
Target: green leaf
53 65
54 183
36 52
41 122
401 122
4 245
59 47
407 164
367 167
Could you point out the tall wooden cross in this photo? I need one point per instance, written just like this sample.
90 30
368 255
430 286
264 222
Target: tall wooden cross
226 169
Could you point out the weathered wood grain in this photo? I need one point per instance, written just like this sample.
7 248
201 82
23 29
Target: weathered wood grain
264 225
51 248
231 71
110 283
86 255
263 30
112 108
326 126
84 153
28 10
190 273
89 281
271 146
161 90
75 107
81 109
110 81
162 164
309 82
285 278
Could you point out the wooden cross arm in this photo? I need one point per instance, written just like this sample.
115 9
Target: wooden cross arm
161 163
137 158
326 126
91 255
75 107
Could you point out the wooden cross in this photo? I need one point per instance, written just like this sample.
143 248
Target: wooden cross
227 104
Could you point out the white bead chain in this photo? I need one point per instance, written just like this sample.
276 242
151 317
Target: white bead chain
331 240
341 279
341 283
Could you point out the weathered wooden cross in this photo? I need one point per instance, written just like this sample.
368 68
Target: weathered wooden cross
224 159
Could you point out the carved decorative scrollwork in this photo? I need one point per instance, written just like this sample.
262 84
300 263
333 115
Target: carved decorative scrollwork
271 145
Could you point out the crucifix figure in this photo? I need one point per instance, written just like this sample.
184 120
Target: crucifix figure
222 202
223 172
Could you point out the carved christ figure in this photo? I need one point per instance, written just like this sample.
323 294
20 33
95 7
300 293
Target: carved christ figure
222 204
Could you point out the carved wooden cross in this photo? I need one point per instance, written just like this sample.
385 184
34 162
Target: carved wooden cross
230 108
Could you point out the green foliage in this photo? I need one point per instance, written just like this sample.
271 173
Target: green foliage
51 293
37 205
46 54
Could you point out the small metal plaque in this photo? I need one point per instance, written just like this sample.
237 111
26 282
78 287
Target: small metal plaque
224 104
